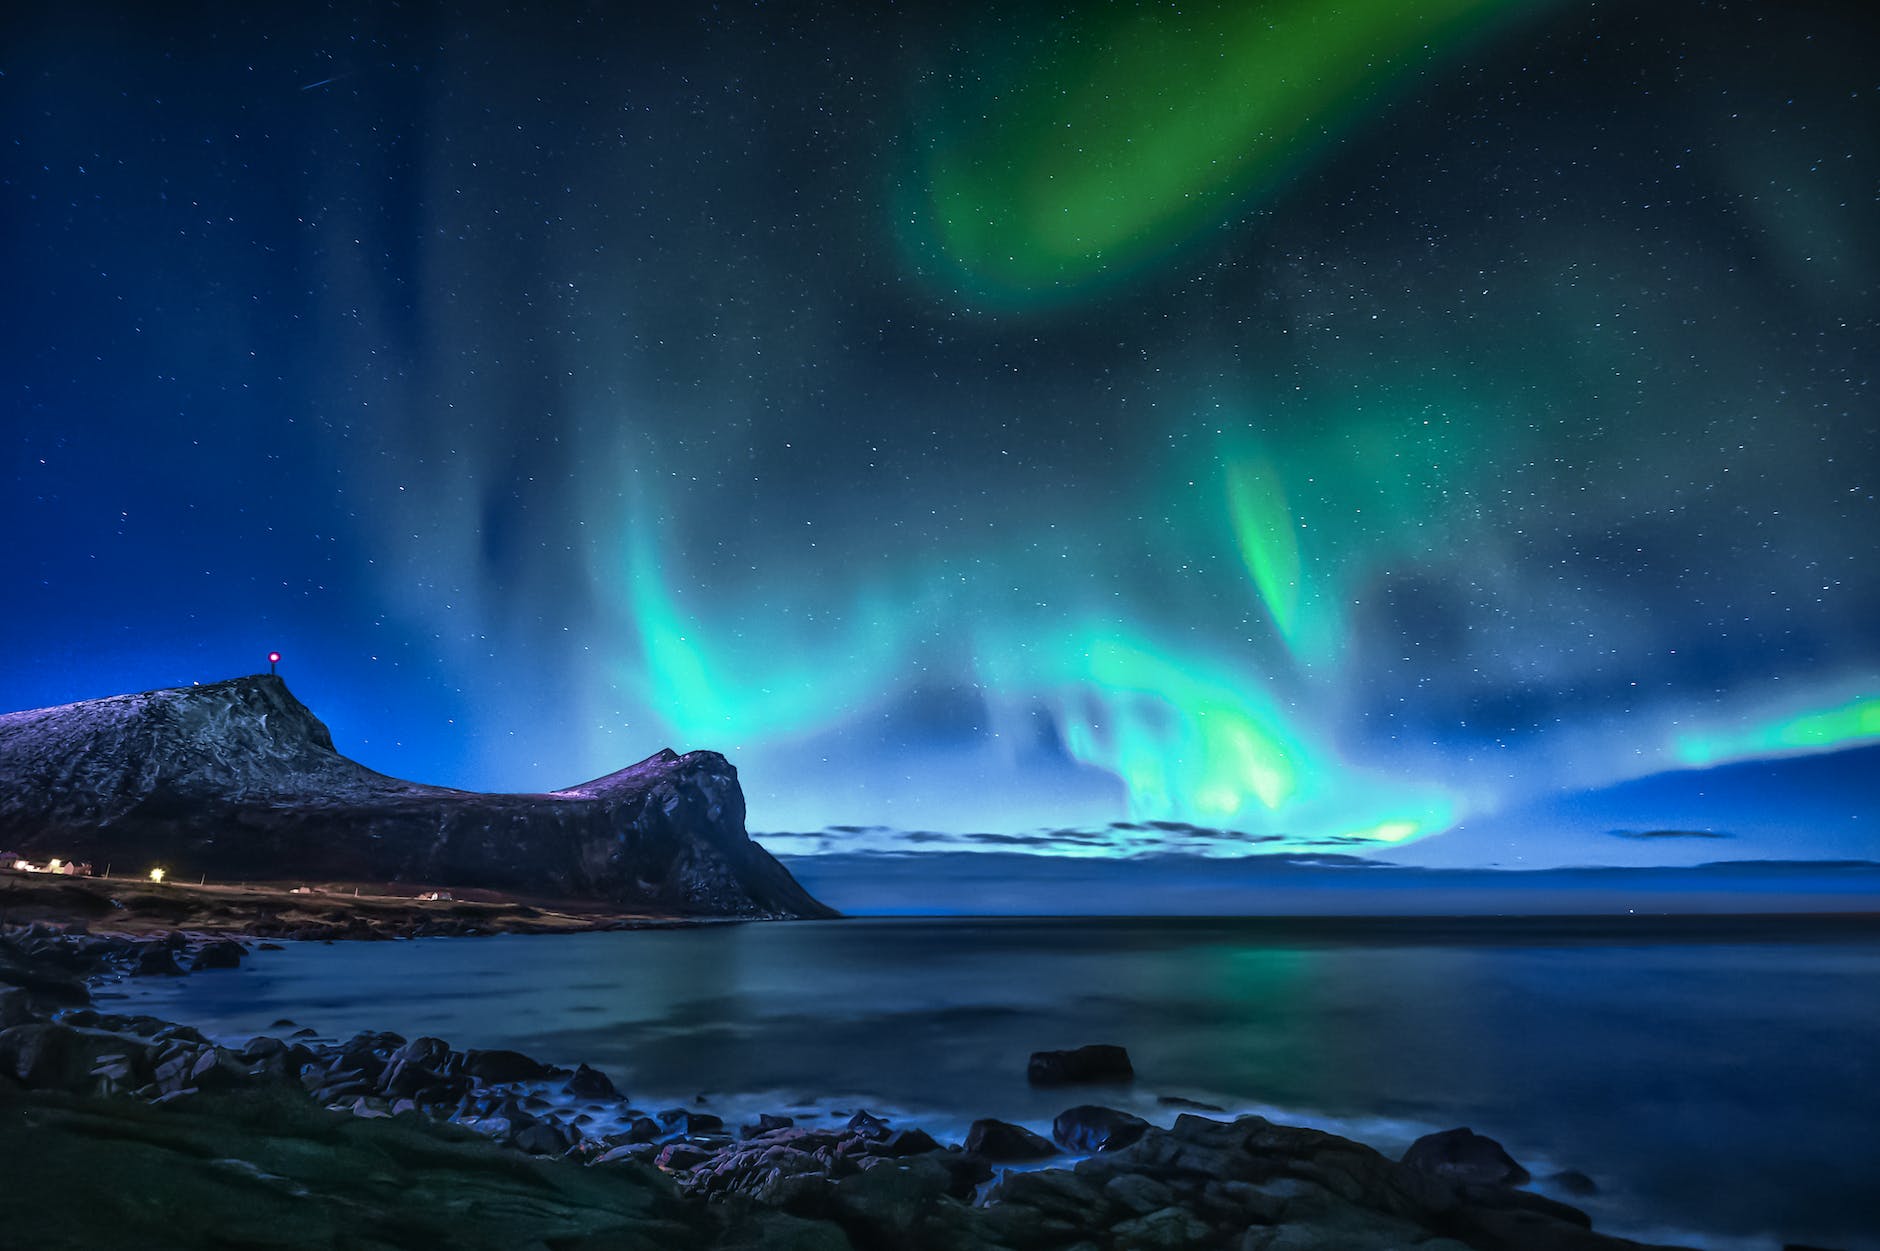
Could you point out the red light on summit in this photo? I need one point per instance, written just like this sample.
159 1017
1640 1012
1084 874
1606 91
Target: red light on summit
274 658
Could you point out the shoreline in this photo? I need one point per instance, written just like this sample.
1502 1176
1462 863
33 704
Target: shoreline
1110 1179
313 912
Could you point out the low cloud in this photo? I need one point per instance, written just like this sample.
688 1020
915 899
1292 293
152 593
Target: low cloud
1119 839
1649 835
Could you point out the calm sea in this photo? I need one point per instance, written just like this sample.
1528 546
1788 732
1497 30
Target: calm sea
1721 1084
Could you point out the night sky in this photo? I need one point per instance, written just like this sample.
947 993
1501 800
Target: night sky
1231 427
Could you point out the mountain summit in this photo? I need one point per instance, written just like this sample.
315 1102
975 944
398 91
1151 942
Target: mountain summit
239 780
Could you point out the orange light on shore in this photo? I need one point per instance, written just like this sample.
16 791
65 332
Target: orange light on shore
156 875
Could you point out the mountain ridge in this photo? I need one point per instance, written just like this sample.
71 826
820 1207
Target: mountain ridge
240 779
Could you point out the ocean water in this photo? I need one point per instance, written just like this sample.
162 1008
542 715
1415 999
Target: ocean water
1720 1084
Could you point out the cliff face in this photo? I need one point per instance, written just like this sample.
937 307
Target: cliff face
239 780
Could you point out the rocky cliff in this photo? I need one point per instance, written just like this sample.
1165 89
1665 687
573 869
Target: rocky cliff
239 780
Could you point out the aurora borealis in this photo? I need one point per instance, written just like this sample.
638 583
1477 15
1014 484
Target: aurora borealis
1328 424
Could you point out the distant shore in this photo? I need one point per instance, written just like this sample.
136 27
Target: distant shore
328 911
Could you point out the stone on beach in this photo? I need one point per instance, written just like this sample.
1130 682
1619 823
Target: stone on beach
1089 1127
1004 1142
1465 1156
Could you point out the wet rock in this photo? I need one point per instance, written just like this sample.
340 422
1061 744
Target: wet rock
1004 1142
541 1138
1192 1105
590 1083
504 1066
1062 1204
678 1156
766 1123
217 1070
1100 1062
180 1033
687 1122
156 960
643 1129
905 1142
1462 1155
1089 1127
865 1124
219 954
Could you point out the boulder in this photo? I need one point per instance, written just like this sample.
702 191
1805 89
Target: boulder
865 1124
905 1142
590 1083
687 1122
679 1156
1100 1062
541 1138
1089 1127
1462 1155
504 1066
766 1123
156 960
221 953
1004 1142
643 1130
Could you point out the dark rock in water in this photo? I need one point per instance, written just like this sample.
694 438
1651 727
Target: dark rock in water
220 954
1004 1142
1100 1062
155 960
1463 1155
685 1121
865 1124
905 1142
643 1130
590 1083
1089 1127
238 779
766 1123
503 1066
1574 1182
1192 1105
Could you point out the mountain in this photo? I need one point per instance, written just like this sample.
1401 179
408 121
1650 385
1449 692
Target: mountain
240 781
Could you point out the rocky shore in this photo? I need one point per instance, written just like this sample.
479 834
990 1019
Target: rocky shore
153 1135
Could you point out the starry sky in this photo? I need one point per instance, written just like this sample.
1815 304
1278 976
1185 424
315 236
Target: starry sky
1442 429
